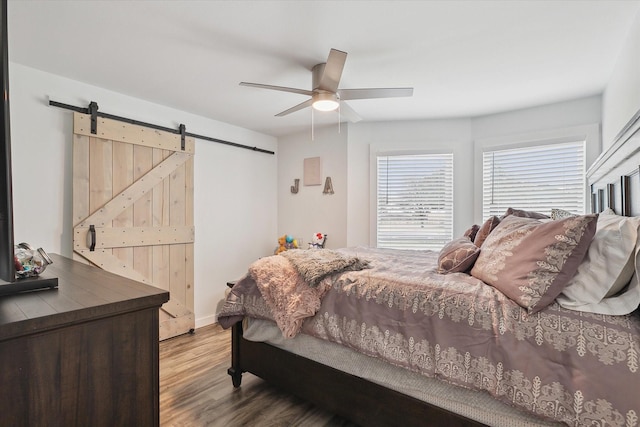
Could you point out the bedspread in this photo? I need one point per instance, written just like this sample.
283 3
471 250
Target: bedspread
574 367
291 285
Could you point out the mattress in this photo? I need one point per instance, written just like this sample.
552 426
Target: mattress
478 406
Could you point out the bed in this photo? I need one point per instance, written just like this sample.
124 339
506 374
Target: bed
386 338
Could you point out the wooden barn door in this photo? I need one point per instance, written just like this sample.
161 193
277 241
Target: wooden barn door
133 209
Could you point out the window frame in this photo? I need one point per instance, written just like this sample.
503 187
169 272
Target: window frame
374 184
499 208
589 133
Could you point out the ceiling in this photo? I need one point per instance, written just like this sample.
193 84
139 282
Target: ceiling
463 58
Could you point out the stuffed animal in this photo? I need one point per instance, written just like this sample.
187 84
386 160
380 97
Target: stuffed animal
317 241
289 242
286 242
282 240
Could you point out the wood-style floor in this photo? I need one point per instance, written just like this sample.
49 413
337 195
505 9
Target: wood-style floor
195 389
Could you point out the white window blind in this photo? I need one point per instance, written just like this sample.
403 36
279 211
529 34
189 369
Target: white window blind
415 201
536 178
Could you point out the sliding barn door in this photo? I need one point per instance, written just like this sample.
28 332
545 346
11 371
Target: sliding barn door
133 209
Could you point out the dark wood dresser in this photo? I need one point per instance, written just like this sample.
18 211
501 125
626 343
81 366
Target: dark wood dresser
85 354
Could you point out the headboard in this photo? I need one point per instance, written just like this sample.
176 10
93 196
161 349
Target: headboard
614 178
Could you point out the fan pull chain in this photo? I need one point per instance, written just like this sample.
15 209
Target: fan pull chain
339 107
312 123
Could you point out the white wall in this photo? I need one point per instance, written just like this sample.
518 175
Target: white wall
232 185
621 98
367 139
362 140
310 211
570 113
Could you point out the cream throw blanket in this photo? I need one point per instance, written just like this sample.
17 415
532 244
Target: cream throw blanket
292 284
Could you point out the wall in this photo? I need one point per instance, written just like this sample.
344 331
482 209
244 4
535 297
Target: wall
310 211
231 184
367 139
535 119
570 120
621 99
362 140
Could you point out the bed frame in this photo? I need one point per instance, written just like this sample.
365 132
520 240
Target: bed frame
346 395
614 179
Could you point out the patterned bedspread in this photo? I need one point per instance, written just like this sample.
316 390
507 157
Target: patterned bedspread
574 367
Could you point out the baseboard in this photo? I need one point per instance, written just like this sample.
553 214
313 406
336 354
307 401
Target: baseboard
205 321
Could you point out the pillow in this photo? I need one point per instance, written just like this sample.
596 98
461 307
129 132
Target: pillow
471 232
531 261
488 226
457 256
560 213
524 214
607 269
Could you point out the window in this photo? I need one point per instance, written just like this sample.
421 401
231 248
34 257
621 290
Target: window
414 201
536 178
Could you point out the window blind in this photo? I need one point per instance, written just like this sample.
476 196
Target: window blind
536 178
415 201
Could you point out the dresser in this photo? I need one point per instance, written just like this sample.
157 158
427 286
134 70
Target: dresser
83 354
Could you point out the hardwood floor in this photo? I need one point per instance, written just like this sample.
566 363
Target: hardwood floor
195 389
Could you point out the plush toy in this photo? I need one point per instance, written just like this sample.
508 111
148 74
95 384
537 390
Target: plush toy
281 245
291 242
286 242
317 241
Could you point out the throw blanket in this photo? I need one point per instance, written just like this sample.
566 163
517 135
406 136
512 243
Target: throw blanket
315 265
292 287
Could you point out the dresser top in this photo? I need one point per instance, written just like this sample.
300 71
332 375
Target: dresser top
84 293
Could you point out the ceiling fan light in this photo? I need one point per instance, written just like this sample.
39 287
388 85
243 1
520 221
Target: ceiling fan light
325 101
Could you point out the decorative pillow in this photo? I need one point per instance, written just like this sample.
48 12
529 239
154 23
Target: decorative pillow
560 213
531 261
607 269
471 232
457 256
524 214
488 226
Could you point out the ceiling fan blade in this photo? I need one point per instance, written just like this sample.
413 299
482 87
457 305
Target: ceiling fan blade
347 94
280 88
300 106
349 113
332 72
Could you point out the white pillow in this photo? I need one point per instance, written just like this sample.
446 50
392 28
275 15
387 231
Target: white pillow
611 261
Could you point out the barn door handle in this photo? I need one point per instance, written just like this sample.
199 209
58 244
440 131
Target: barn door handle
91 238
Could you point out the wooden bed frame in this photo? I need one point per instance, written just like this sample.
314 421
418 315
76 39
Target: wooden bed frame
614 179
346 395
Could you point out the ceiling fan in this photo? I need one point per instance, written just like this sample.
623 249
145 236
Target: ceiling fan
325 94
